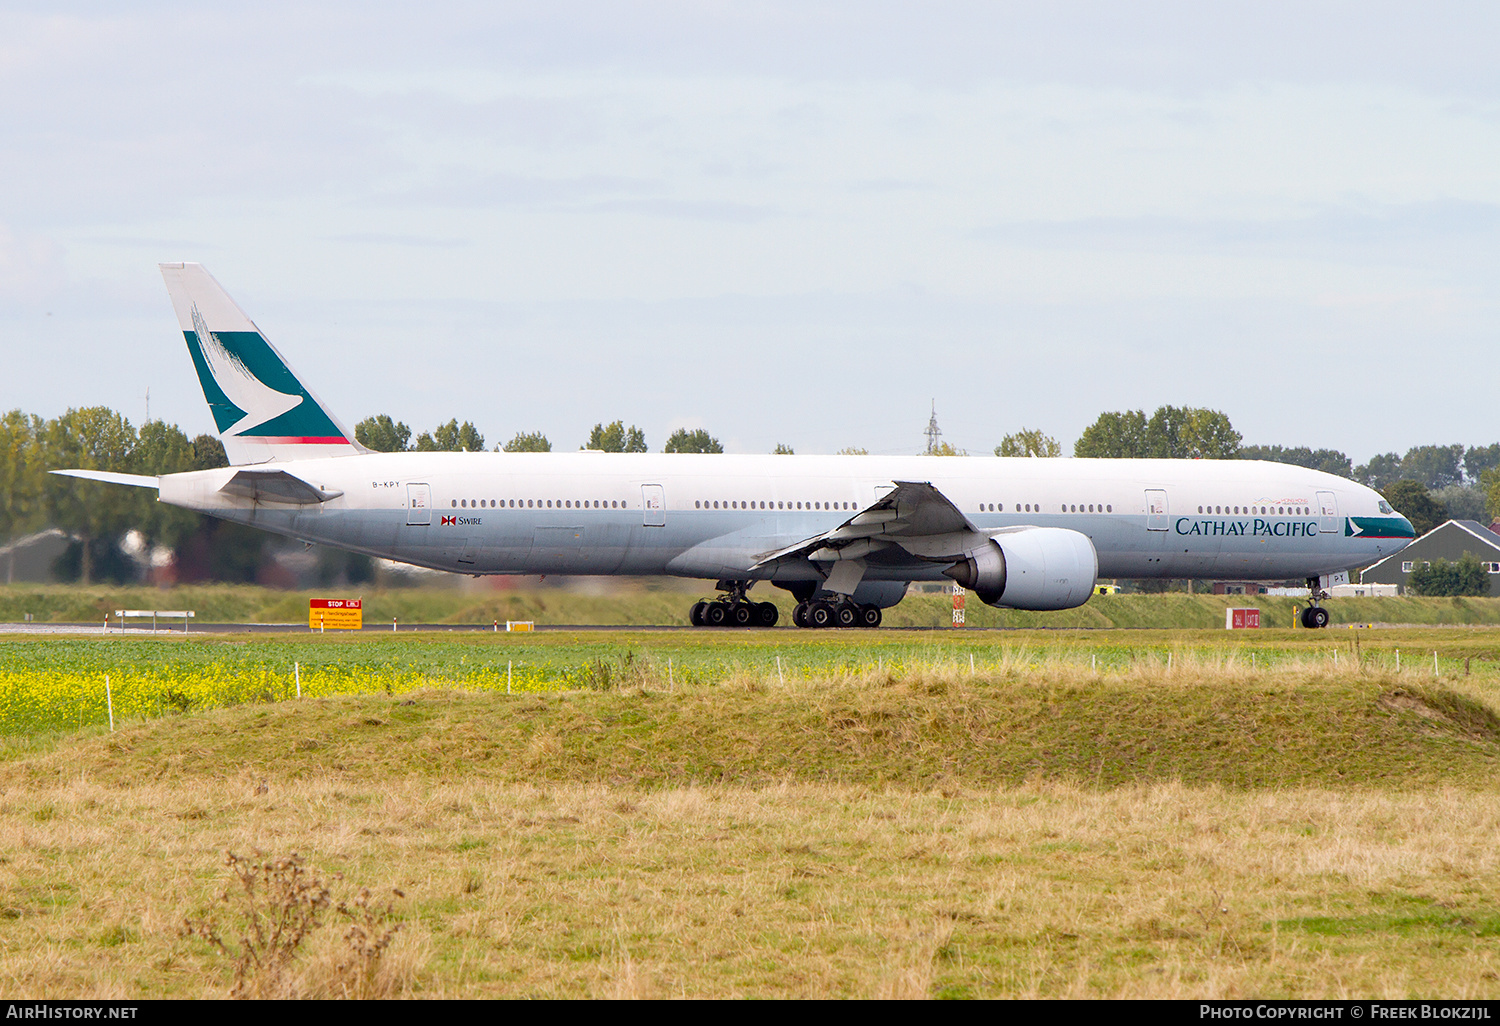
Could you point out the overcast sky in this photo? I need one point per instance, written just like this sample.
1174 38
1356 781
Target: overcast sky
789 222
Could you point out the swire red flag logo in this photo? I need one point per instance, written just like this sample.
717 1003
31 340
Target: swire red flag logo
449 520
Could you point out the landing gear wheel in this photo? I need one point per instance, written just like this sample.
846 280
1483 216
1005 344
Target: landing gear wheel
743 614
819 614
846 614
869 616
766 614
715 614
799 615
695 615
1315 616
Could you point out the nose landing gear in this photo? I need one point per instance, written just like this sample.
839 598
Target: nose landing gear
1315 617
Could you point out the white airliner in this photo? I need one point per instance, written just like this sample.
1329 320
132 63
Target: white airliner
845 535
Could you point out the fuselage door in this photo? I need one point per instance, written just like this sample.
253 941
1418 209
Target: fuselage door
1328 513
653 506
1156 509
418 505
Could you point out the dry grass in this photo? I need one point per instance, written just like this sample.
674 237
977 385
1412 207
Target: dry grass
794 890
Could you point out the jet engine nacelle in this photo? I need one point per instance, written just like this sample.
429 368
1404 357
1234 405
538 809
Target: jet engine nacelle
1031 568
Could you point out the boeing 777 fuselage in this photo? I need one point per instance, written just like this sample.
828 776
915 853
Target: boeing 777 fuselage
844 534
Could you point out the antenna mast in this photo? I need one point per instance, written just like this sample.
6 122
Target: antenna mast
933 431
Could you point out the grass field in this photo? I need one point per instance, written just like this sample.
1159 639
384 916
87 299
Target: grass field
1089 813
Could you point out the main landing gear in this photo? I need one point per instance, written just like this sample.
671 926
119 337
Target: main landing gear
838 612
734 610
1315 617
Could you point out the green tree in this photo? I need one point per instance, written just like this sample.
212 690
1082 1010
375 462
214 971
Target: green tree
1028 442
1466 576
451 437
1480 458
852 450
616 437
1329 461
1416 504
1186 433
1118 435
1489 481
382 434
945 449
1381 472
92 438
21 474
162 448
683 440
782 449
533 442
1434 466
208 453
1461 502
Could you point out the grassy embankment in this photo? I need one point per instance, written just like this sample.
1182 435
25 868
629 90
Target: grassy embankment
640 605
1254 820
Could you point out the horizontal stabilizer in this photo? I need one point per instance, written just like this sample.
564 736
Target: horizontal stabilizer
110 477
276 486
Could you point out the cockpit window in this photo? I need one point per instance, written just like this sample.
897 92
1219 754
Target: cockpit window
1385 507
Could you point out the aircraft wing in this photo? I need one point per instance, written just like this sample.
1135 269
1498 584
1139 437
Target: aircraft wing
914 515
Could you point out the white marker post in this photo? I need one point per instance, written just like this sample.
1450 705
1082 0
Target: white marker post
297 672
507 677
109 703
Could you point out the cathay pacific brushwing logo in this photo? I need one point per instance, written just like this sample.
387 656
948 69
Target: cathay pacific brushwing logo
253 397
